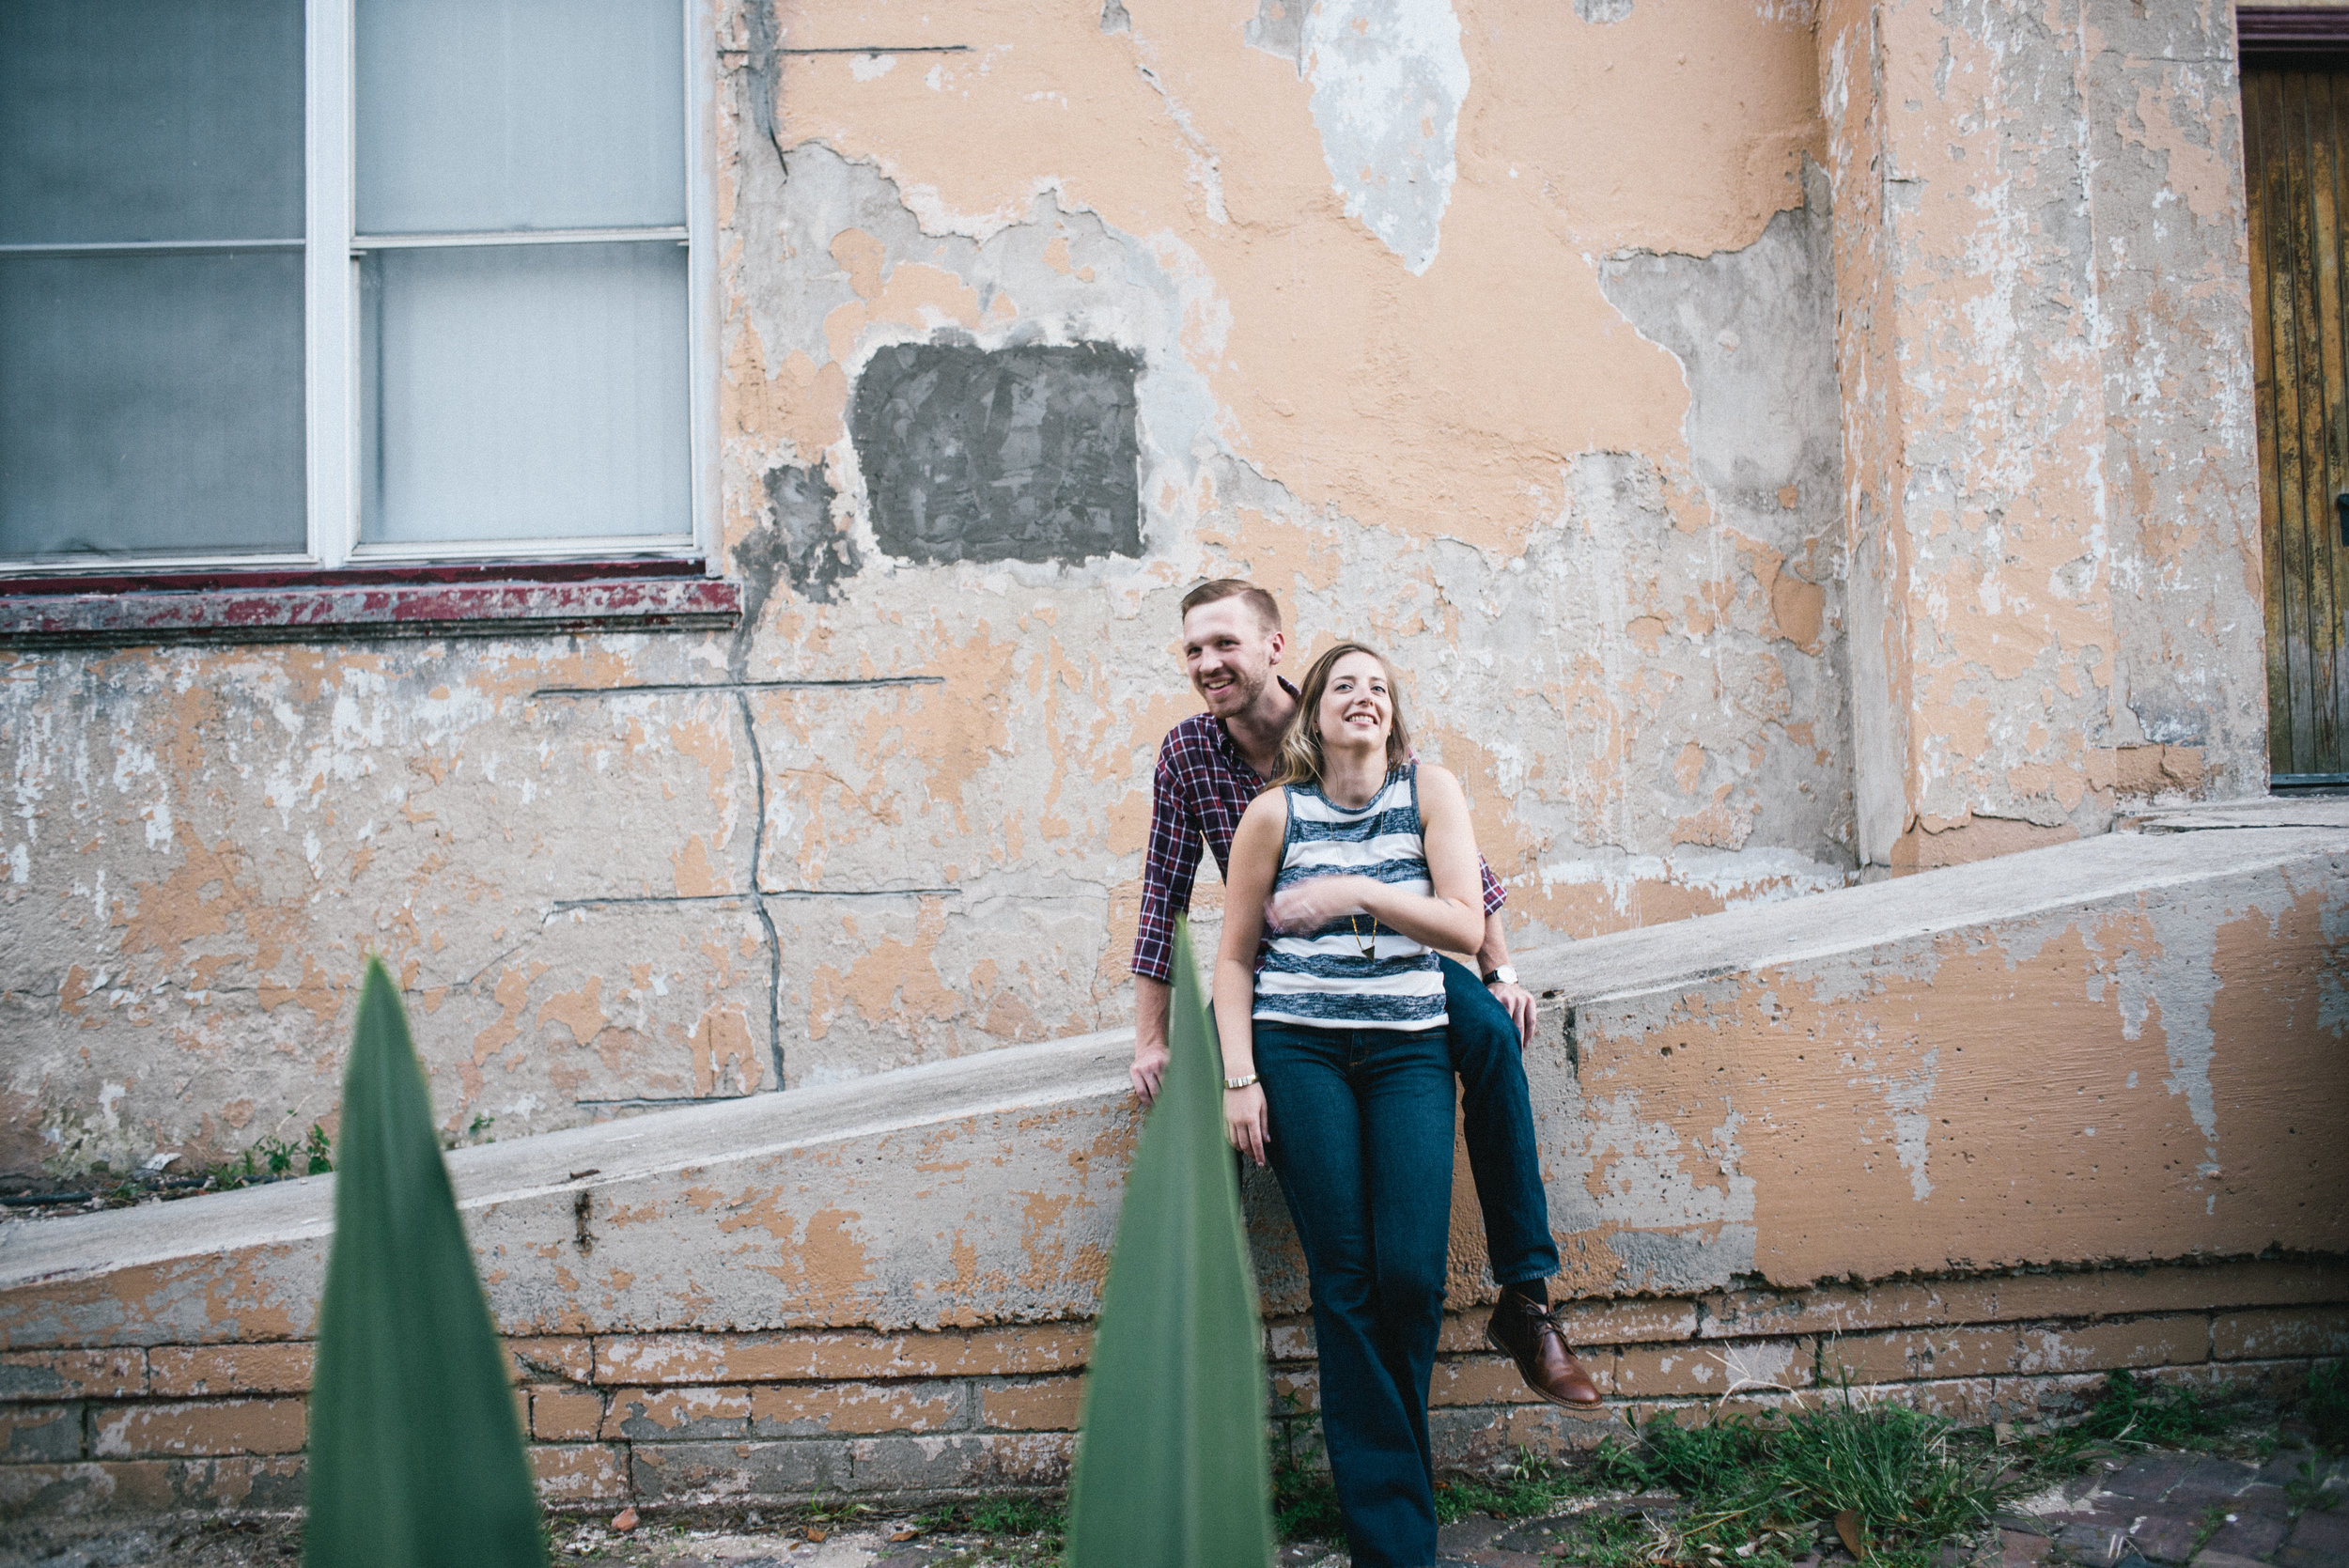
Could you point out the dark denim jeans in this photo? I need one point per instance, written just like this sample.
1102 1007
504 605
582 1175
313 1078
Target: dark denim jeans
1498 1126
1362 1127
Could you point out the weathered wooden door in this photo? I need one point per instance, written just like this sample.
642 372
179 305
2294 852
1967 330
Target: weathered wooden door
2296 117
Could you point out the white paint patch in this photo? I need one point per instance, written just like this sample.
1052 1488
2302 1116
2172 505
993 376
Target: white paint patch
1912 1125
864 68
21 864
1389 78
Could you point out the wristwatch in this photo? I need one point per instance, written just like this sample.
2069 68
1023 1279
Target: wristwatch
1505 976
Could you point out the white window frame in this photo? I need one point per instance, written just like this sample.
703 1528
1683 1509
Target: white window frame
332 356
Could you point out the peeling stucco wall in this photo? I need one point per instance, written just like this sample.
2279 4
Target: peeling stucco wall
1562 416
2048 416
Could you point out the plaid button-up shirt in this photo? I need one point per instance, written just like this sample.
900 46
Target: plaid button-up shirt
1200 790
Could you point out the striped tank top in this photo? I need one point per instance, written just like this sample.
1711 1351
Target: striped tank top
1326 980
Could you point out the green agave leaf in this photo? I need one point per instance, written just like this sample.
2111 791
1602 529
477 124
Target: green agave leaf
415 1454
1172 1466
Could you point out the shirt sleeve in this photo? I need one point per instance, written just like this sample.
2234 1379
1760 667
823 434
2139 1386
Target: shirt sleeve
1494 897
1167 870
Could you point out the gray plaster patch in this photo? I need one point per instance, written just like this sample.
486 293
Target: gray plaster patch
1389 78
815 554
1115 17
1279 28
1018 454
1602 12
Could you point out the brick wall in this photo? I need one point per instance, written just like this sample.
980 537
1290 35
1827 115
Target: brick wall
678 1417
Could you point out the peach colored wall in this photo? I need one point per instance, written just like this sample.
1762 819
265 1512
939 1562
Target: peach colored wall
1539 383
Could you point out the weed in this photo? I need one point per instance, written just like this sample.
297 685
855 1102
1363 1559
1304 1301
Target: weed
2213 1520
2308 1490
1304 1502
1759 1490
2324 1407
1529 1486
1019 1516
832 1511
1611 1539
2136 1414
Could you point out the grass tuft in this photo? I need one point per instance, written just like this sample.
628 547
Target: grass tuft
1764 1491
2325 1405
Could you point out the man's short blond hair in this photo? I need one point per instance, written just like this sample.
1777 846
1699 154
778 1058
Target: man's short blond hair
1267 609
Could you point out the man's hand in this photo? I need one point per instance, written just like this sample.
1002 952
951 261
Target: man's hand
1312 904
1148 1069
1153 1001
1522 1008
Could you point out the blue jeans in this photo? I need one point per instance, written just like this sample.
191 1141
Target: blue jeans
1362 1133
1498 1128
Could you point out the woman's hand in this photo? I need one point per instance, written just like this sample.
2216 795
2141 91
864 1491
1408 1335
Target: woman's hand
1244 1122
1317 902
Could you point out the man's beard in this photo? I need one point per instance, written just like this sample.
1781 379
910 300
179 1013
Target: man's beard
1241 694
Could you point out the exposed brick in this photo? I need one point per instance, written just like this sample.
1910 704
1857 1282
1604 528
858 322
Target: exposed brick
1835 1309
1486 1379
1651 1371
562 1414
856 1410
1906 1354
149 1486
1587 1322
586 1472
1554 1429
656 1414
211 1426
673 1472
2282 1331
552 1356
2018 1297
2118 1292
1293 1341
38 1433
53 1375
1965 1400
959 1462
1296 1389
669 1359
1035 1404
2138 1342
186 1371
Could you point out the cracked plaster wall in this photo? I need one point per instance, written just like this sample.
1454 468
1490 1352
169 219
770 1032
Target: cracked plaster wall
2048 435
1577 468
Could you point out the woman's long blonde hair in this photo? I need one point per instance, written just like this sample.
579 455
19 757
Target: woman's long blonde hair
1300 743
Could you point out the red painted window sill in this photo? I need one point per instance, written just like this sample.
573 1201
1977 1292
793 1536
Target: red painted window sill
486 600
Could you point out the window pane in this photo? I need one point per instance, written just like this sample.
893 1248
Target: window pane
494 114
525 392
151 119
152 403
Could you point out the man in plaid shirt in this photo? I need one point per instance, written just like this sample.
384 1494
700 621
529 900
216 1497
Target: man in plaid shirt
1210 766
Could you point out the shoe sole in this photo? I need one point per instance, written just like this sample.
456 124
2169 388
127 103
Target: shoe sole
1494 1340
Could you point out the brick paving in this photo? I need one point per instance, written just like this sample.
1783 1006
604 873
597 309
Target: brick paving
2187 1511
2154 1510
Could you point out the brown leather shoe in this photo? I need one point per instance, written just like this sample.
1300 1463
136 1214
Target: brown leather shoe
1531 1336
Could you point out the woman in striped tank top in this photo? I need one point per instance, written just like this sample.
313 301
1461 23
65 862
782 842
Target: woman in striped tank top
1362 863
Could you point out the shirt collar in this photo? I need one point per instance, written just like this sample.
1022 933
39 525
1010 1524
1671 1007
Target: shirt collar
1231 751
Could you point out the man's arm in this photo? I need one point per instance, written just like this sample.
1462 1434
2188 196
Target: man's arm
1154 1000
1168 869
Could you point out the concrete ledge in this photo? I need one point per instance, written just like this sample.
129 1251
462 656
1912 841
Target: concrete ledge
1933 1131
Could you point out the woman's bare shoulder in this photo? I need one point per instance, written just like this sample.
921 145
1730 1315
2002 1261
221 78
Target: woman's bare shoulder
1271 807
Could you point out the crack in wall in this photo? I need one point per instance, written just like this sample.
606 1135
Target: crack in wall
766 920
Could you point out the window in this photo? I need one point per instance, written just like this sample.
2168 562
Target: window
350 282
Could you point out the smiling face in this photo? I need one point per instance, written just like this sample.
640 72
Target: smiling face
1228 653
1356 710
